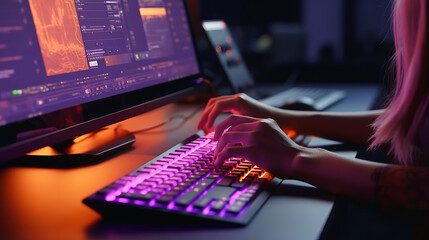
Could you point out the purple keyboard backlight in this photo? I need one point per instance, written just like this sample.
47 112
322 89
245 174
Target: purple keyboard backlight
187 180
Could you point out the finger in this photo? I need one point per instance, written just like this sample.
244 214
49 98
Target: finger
212 110
232 120
203 119
217 109
206 130
232 138
216 99
233 151
237 134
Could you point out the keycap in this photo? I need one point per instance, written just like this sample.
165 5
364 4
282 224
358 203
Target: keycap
145 170
216 193
168 197
246 168
108 189
176 166
226 181
236 207
239 185
218 205
138 196
188 197
140 187
249 178
202 202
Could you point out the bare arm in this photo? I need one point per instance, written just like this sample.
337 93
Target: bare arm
346 127
399 190
352 127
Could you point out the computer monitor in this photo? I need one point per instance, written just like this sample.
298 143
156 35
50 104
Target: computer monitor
69 67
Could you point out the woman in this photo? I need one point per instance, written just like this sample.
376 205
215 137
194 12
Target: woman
400 188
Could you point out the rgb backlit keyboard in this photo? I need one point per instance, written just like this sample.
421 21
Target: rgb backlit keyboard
184 182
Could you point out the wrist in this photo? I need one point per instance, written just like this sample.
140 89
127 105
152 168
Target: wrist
298 121
306 162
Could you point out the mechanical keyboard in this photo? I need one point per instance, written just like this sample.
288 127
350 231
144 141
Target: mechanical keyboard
184 182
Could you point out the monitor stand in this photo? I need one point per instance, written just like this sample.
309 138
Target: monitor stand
84 150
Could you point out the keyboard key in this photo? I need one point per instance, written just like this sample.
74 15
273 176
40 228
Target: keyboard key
247 195
107 189
235 174
157 191
145 171
138 196
171 182
245 198
202 202
160 176
154 180
226 181
215 175
260 181
239 185
236 207
230 164
216 193
168 197
188 197
238 173
133 174
158 164
164 160
255 174
121 182
190 169
168 174
187 172
218 205
140 187
176 154
249 178
176 167
165 187
196 176
188 181
243 167
180 188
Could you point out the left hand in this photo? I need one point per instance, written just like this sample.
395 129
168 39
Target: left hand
260 141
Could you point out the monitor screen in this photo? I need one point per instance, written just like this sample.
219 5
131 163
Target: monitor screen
70 66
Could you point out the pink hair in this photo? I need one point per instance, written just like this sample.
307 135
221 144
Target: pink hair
400 125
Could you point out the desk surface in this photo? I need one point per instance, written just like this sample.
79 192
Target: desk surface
39 203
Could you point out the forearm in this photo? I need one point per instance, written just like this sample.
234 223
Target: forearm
398 190
353 127
337 174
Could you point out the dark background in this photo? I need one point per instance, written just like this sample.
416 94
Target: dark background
321 41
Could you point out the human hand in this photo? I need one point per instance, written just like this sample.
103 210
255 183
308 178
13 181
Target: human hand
240 104
260 141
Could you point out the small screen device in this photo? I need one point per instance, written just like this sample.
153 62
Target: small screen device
229 55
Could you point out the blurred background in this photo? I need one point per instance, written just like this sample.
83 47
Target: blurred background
317 40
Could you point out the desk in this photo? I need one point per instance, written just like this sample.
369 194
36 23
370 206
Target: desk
47 204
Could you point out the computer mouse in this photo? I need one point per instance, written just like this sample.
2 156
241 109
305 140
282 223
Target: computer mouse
301 103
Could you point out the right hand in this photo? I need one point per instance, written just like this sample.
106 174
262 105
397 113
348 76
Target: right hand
239 104
260 141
